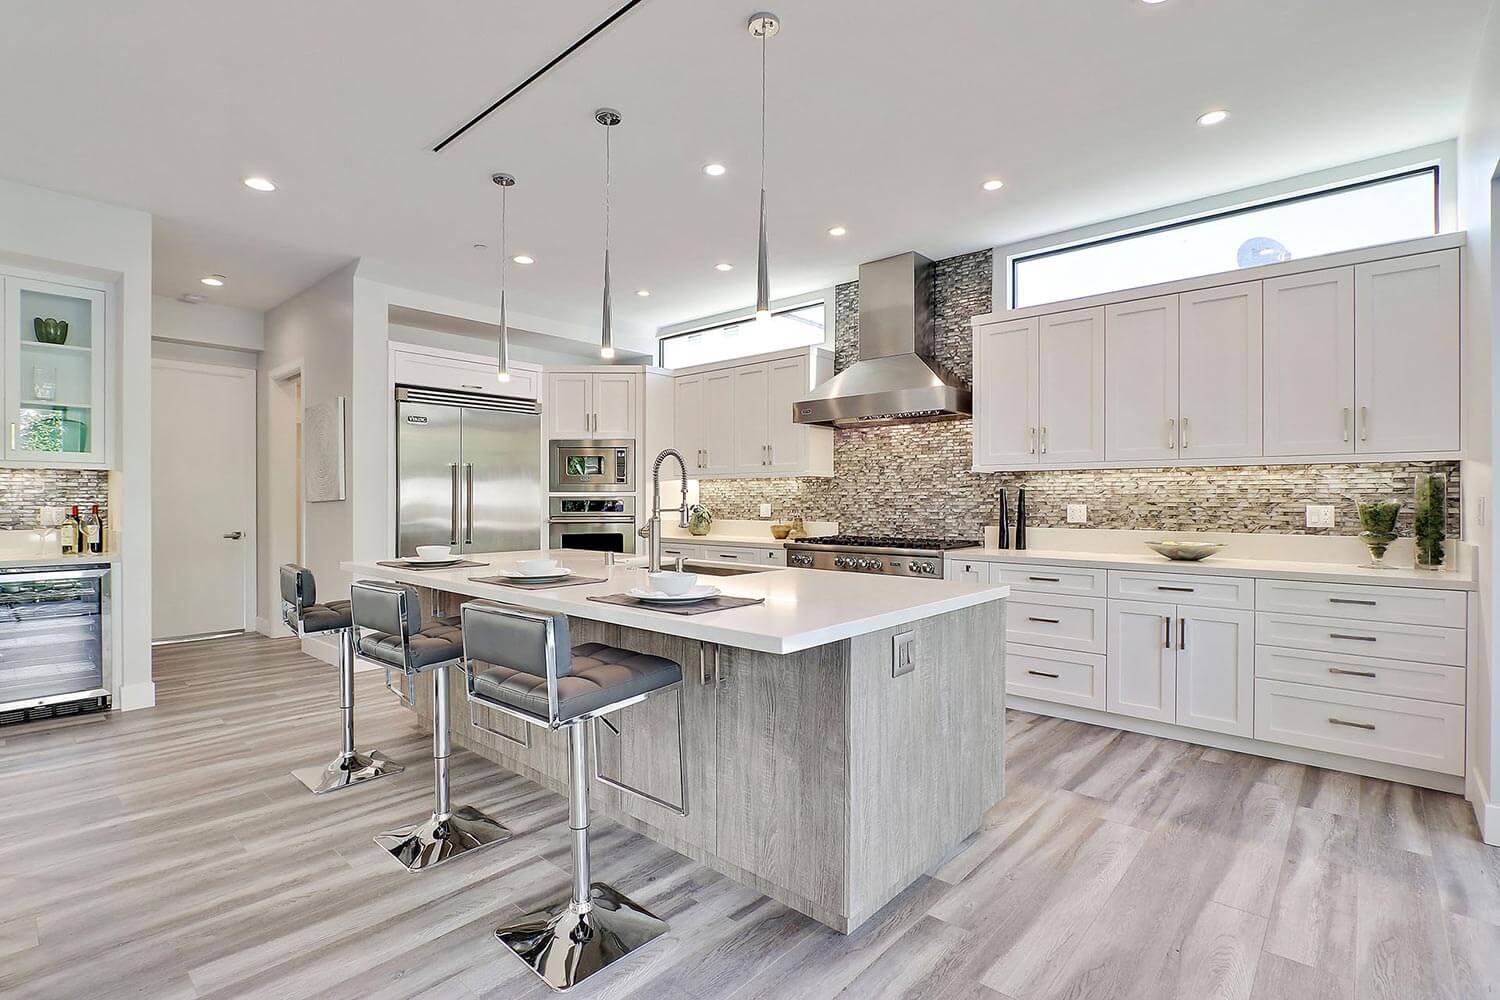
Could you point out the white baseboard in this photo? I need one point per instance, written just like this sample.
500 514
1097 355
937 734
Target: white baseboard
133 696
1487 813
272 628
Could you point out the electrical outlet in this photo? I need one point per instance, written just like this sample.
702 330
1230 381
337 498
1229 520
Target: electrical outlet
1319 515
1078 513
903 653
765 510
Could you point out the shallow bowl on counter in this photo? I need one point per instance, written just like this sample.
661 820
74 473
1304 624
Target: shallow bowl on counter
537 567
672 584
434 552
1185 551
780 531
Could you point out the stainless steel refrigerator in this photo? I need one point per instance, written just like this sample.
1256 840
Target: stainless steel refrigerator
468 471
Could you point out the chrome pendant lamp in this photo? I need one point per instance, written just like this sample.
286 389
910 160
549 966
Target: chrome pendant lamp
609 118
762 26
502 361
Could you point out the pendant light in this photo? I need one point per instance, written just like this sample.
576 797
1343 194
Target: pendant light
502 361
762 26
609 118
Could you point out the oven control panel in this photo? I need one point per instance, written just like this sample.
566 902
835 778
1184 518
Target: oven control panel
854 562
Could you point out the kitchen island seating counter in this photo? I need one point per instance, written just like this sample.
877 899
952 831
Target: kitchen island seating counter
826 747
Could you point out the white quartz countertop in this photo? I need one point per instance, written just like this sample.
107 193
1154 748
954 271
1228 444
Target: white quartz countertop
1219 565
803 608
11 559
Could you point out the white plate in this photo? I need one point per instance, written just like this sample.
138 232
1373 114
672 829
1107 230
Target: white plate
702 592
445 561
554 574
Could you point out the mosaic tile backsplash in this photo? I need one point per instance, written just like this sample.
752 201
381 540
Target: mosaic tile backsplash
23 491
915 478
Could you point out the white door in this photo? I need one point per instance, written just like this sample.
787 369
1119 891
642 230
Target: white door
1141 671
1219 358
1140 397
202 499
687 420
1006 374
1406 354
752 402
615 404
1309 363
569 405
1071 389
718 422
788 440
1216 669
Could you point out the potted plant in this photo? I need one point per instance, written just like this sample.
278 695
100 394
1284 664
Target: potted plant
1429 521
1379 521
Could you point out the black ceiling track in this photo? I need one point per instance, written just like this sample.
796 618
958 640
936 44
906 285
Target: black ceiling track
580 43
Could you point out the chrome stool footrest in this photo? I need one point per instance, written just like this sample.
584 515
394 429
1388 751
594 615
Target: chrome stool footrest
343 771
565 946
435 840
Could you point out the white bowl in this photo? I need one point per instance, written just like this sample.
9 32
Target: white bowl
434 551
537 567
672 584
1185 551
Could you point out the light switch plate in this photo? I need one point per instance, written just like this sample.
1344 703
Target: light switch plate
903 653
1078 513
1319 515
765 510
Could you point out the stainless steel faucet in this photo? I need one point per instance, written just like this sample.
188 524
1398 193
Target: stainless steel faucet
653 563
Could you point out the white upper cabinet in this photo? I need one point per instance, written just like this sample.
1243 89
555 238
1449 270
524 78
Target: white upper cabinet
593 404
788 442
718 419
1141 380
53 369
570 405
1071 387
752 408
615 401
1007 363
687 421
1219 372
413 365
1407 372
1309 363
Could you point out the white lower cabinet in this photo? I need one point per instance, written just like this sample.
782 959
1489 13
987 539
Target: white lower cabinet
1075 623
1141 677
1058 675
1423 734
1216 670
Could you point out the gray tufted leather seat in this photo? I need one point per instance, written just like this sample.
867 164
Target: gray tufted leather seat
438 640
300 593
599 675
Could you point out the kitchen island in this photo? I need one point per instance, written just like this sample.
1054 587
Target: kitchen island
820 764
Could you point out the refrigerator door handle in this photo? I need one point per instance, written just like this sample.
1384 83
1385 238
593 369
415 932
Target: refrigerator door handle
468 503
453 497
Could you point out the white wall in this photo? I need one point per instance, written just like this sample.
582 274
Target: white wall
207 324
1478 156
60 233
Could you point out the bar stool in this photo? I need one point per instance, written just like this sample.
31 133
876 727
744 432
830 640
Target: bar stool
519 663
305 616
398 640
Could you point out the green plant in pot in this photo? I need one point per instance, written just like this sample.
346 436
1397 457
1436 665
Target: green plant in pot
50 331
700 519
1379 521
1429 520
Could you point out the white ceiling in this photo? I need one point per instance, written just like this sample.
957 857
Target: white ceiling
885 117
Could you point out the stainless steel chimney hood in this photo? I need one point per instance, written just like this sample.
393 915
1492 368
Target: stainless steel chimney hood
896 379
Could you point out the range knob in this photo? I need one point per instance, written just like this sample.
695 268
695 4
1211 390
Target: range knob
840 562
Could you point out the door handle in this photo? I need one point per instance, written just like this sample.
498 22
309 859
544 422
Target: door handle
1364 425
1184 432
1044 621
1182 633
1180 590
1345 423
1171 433
1351 673
770 454
1350 600
234 536
1042 673
1045 579
12 437
1044 439
1166 638
1030 433
453 508
1356 638
469 503
1352 725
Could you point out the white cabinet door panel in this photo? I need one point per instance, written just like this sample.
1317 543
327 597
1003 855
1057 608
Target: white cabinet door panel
752 396
1423 643
687 420
718 422
1183 588
1075 623
1071 390
1408 605
1219 365
1370 674
570 405
1424 734
787 440
1055 675
615 404
1309 363
1074 581
1141 380
1006 410
1407 373
1216 670
1141 677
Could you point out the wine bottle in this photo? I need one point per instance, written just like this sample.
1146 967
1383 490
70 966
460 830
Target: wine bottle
1004 542
103 529
1021 518
93 538
67 533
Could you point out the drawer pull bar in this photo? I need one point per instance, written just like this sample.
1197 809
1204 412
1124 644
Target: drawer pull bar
1045 579
1350 600
1179 590
1351 673
1042 673
1356 638
1352 725
1044 621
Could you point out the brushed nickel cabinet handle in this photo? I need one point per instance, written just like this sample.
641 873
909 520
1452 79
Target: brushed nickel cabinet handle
1044 621
1044 439
1171 433
1184 432
1046 579
1345 423
12 437
1364 423
1166 639
1042 673
1355 638
770 454
465 385
1182 633
1180 590
1352 725
1030 435
1351 673
234 536
1350 600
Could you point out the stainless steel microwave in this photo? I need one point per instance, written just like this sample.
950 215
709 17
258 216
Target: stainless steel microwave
593 466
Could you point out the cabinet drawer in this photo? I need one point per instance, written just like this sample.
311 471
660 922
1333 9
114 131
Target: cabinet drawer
1181 588
1058 622
1373 675
1410 605
1054 675
759 557
1423 734
1050 579
670 551
1423 643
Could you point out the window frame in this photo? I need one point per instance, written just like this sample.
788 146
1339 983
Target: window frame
823 297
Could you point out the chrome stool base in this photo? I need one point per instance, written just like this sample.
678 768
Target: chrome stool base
434 841
565 947
342 772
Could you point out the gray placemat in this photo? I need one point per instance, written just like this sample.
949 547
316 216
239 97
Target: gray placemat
720 603
567 581
399 564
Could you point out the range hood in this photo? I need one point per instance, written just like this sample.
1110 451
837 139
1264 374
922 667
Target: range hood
896 379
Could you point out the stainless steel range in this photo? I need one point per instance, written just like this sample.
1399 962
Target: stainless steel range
874 554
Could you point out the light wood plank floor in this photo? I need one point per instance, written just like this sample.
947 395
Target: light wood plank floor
168 853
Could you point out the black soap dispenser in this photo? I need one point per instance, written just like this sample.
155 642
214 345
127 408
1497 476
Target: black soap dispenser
1004 542
1021 518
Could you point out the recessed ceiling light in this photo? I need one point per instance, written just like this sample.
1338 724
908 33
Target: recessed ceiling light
993 184
714 169
191 298
1213 117
723 267
837 231
260 184
521 258
643 292
1153 2
216 280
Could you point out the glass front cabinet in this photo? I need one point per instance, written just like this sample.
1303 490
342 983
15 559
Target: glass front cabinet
52 376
